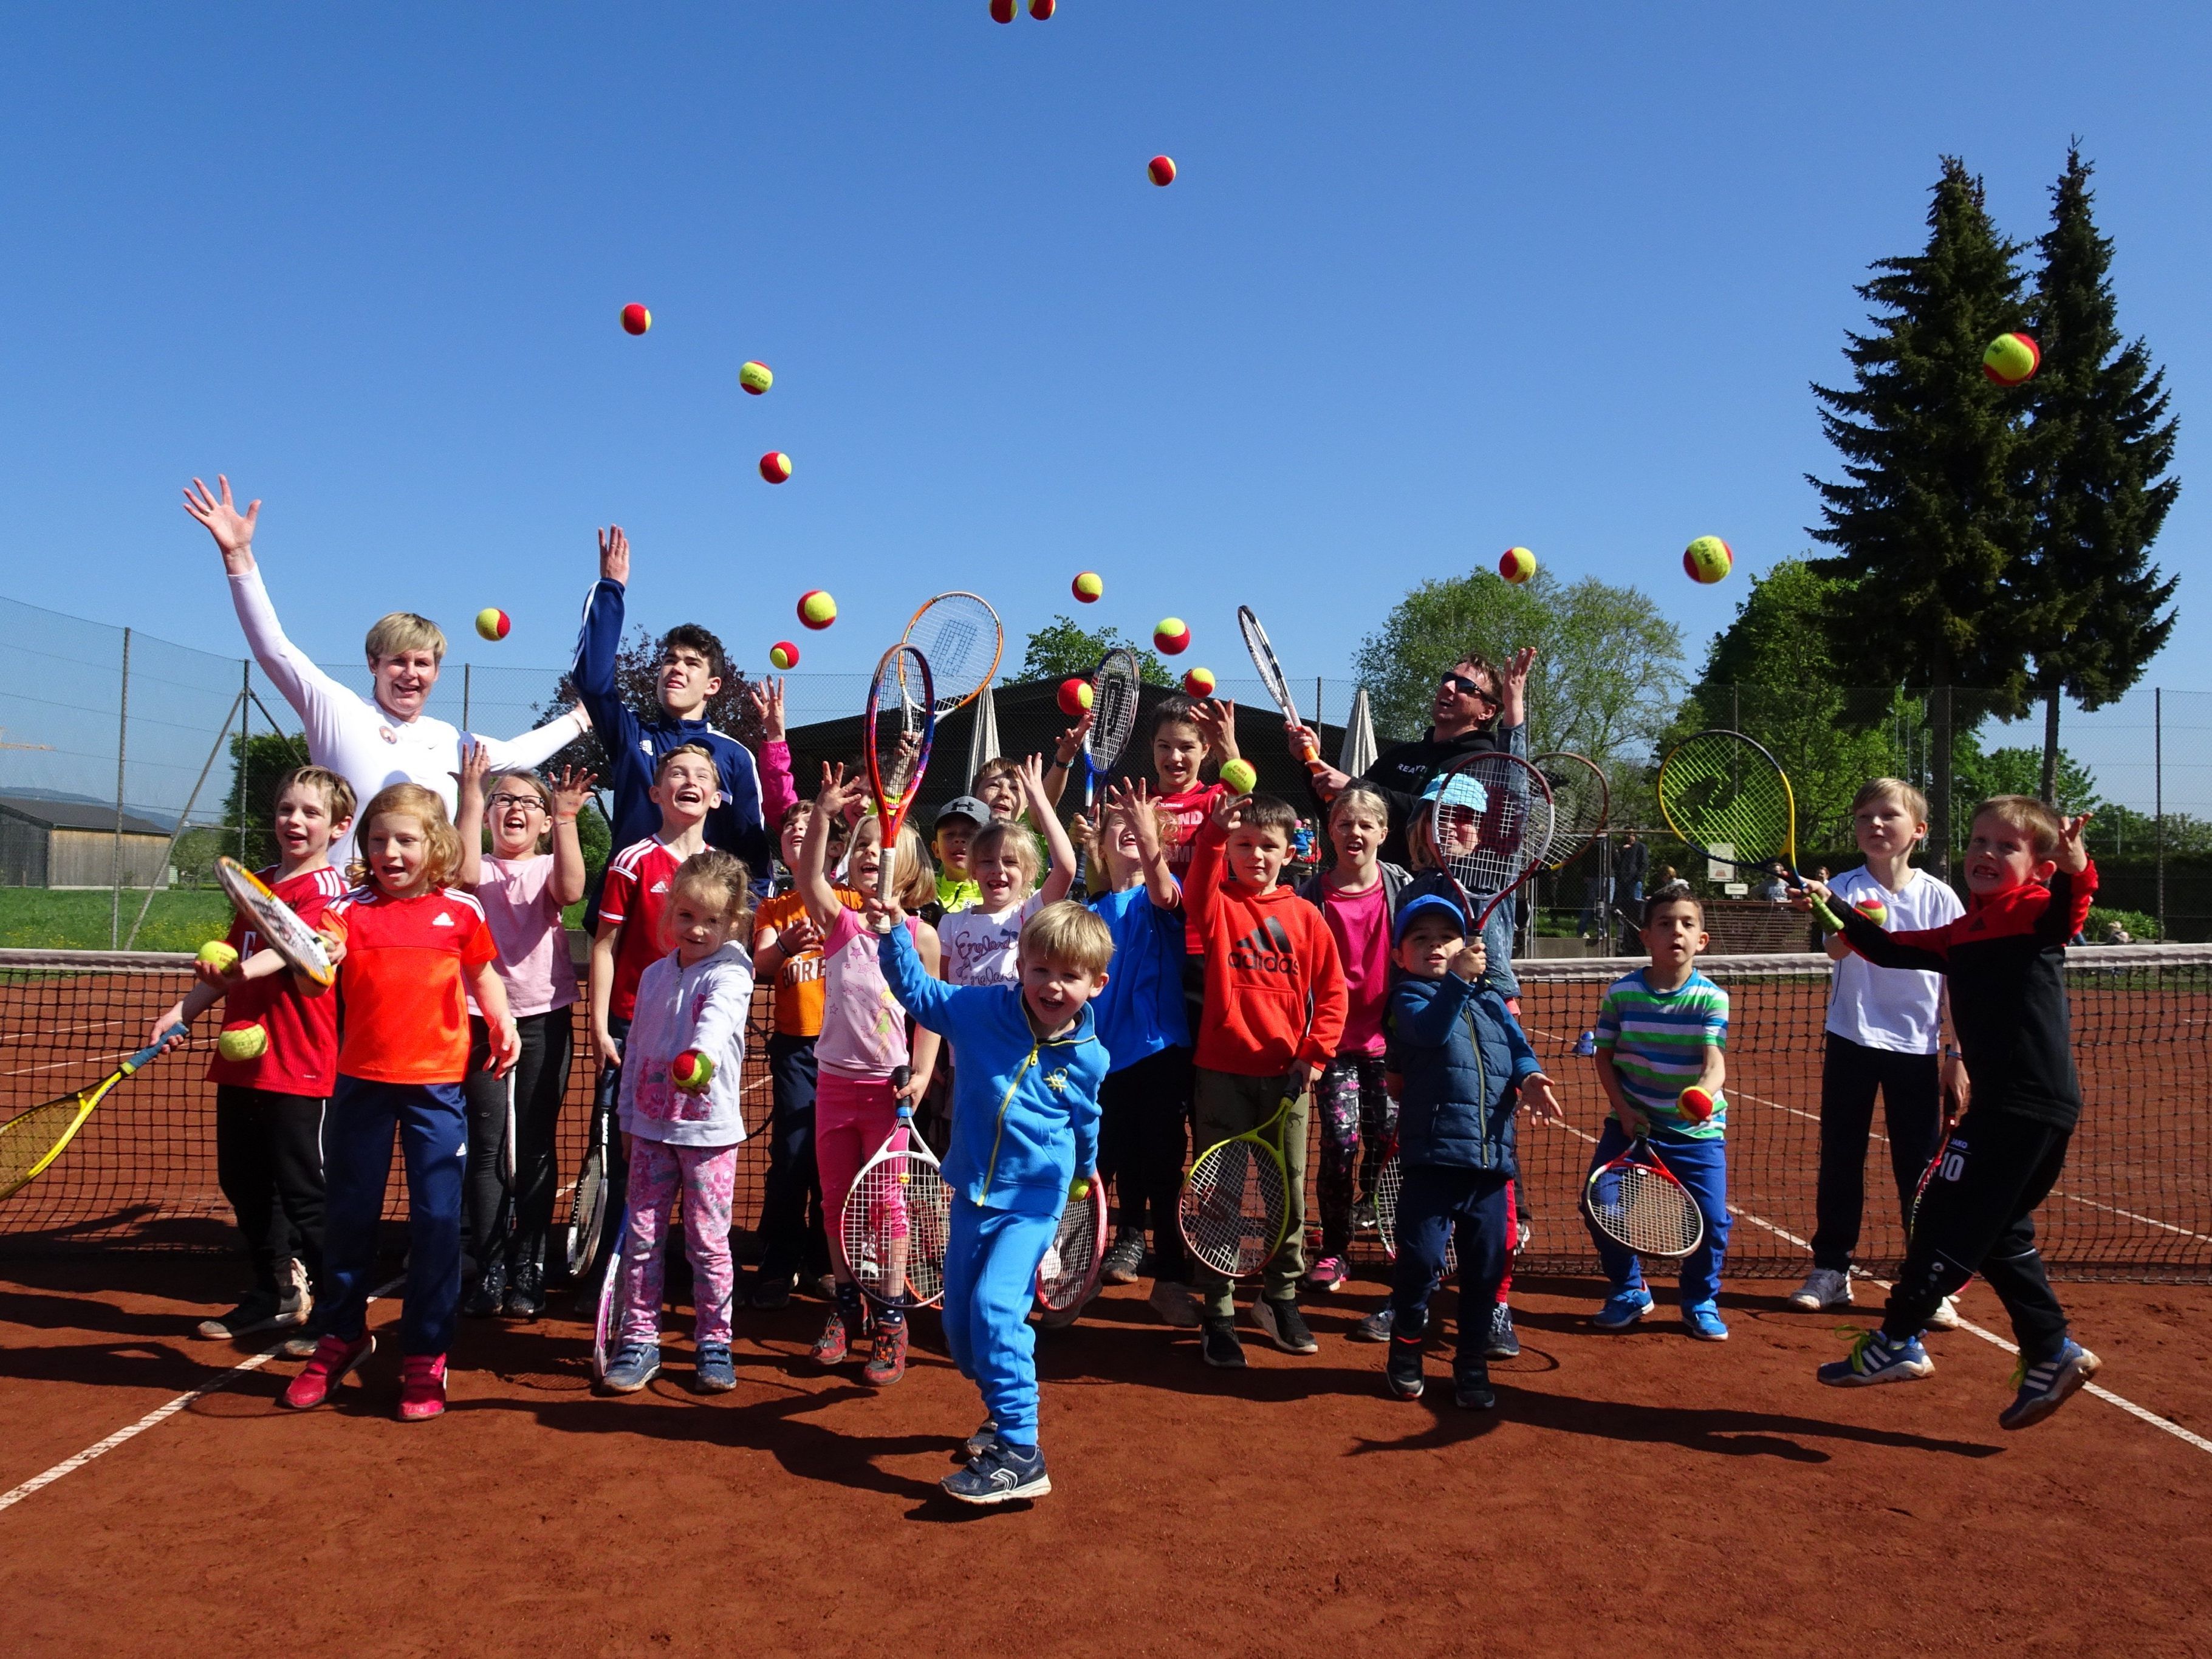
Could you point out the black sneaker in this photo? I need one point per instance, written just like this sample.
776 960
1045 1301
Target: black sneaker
1218 1344
1376 1328
1502 1344
1285 1326
488 1295
999 1475
1123 1261
770 1292
260 1311
1471 1389
526 1292
1402 1370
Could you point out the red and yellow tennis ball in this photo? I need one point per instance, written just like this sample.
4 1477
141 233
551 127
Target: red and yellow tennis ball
243 1042
1074 696
784 655
775 466
1238 777
635 319
1002 11
691 1071
2011 358
1198 683
1171 637
816 609
1042 10
1516 565
1874 910
1161 170
1087 588
1708 559
1695 1103
756 377
218 954
493 623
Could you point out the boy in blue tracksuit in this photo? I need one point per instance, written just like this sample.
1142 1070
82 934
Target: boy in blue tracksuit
1466 1065
1024 1124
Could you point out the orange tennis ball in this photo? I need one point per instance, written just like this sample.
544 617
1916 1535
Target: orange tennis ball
1516 565
775 466
1874 910
756 377
635 319
1089 587
1198 683
1074 696
2010 359
1171 638
1162 169
784 655
1697 1103
816 609
1708 559
493 623
691 1071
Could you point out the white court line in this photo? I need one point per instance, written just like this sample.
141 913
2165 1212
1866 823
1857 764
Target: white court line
160 1414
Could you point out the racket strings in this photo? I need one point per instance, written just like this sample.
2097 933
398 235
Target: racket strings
1066 1266
1232 1208
1580 803
898 1220
1716 791
1113 709
1491 821
1263 659
28 1139
1642 1209
896 705
960 635
1390 1187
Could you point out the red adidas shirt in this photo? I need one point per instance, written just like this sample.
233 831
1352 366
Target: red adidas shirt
406 1006
634 901
302 1056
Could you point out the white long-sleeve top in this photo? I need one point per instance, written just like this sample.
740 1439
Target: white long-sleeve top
703 1006
358 739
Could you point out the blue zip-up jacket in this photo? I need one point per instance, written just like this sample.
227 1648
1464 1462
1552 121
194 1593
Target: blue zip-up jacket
634 746
1463 1056
1024 1109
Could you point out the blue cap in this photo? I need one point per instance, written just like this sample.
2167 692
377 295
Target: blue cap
1457 789
1426 904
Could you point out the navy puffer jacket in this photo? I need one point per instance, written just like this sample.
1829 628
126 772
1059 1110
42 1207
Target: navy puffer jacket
1464 1057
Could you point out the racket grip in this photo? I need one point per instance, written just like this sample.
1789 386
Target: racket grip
1827 918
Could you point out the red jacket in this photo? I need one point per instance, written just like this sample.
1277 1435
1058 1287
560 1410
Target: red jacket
1274 988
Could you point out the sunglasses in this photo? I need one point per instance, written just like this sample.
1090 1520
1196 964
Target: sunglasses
1467 687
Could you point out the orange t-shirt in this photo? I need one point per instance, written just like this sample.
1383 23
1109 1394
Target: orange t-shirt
798 981
406 1011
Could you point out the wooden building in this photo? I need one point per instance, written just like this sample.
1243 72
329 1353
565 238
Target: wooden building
63 844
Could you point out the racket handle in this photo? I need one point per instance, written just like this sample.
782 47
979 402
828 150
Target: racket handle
901 1076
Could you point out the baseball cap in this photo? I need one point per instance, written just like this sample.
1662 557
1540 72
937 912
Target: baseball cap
1427 904
1457 789
964 806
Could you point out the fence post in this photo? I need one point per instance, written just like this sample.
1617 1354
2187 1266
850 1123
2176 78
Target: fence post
244 748
122 747
465 696
2157 795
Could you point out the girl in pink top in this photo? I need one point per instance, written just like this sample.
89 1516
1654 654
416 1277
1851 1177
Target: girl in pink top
522 889
863 1041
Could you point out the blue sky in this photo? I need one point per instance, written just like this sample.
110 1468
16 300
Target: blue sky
1435 279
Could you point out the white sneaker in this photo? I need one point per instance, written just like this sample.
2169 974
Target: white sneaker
1824 1287
1174 1303
1946 1316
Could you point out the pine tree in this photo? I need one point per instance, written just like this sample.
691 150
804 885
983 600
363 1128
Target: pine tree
2102 443
1934 507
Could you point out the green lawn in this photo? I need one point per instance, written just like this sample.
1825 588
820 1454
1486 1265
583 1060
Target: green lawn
40 918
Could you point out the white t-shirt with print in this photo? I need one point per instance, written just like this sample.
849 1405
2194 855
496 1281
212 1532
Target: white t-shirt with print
1891 1008
981 949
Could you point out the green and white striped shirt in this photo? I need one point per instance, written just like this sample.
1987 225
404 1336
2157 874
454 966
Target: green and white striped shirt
1657 1040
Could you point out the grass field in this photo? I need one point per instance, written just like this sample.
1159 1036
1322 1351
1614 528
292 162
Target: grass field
41 918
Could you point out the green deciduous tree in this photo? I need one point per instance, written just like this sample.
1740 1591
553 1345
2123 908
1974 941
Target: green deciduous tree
1062 649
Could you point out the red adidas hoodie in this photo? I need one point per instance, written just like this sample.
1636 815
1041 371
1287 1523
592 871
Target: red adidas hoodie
1274 988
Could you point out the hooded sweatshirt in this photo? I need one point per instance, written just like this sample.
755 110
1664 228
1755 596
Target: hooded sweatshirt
703 1006
1274 988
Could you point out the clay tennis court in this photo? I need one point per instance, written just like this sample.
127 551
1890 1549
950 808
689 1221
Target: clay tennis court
1637 1490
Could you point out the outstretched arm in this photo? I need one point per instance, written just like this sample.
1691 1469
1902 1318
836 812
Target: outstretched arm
570 790
1061 876
468 814
318 700
811 877
778 791
1133 804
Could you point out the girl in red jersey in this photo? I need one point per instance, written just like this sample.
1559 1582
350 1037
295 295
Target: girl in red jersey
411 952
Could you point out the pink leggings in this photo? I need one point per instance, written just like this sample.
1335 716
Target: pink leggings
707 1175
852 1118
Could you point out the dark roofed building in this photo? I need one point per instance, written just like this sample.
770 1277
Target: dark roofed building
66 843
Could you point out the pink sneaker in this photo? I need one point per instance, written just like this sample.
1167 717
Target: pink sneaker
1329 1274
422 1386
334 1358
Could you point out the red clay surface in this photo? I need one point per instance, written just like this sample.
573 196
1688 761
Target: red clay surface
1640 1491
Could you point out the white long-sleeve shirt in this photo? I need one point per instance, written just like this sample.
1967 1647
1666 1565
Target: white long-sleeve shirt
358 739
704 1007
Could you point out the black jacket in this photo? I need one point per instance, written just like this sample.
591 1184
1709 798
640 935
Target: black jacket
1402 771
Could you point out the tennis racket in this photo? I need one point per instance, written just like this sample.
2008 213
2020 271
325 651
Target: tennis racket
1636 1201
1113 717
1271 676
1731 801
31 1140
587 1202
607 1322
900 723
1389 1182
959 636
897 1218
1235 1206
507 1143
1582 801
1491 816
1067 1278
275 922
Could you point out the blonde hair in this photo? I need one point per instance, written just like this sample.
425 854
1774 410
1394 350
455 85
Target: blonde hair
660 766
913 878
1896 789
718 873
1421 844
410 800
1018 838
337 794
1069 934
2027 815
1360 792
401 631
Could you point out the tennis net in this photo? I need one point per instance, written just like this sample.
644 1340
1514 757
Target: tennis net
2135 1203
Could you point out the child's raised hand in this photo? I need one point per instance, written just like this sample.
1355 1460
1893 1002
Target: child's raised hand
2072 856
476 766
838 791
1229 813
766 696
1131 803
1032 777
614 555
884 916
1071 741
570 791
1470 960
1542 1099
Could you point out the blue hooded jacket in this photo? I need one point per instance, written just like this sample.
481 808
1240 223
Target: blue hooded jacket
1464 1057
1024 1109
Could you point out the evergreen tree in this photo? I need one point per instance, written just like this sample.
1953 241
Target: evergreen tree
2102 443
1933 506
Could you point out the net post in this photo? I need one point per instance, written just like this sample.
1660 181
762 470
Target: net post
122 748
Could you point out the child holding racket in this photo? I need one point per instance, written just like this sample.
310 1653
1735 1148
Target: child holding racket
411 952
864 1066
1024 1127
681 1114
269 1107
1660 1031
2030 885
979 942
1467 1065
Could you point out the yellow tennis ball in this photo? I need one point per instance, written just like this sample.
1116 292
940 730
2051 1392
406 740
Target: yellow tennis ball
1697 1103
784 655
1708 559
1516 565
1171 637
817 608
1198 683
1238 776
756 377
218 955
1079 1189
243 1042
492 623
2010 359
1089 587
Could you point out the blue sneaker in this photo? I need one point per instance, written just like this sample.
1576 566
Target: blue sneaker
1875 1358
634 1365
717 1374
1623 1309
1001 1475
2047 1385
1702 1321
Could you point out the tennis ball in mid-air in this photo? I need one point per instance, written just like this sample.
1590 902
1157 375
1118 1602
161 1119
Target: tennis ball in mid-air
1874 910
784 655
817 608
243 1042
1697 1103
1517 564
1162 169
691 1071
756 377
1002 11
218 955
1074 696
1088 587
2011 358
635 319
1043 9
1238 776
775 466
1198 683
1171 637
493 623
1708 559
